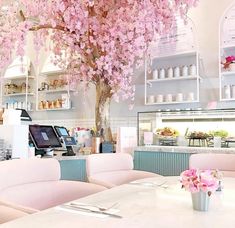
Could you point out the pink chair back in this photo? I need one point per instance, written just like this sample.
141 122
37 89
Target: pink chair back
16 172
222 162
99 163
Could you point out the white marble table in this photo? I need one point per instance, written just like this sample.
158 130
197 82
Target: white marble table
143 206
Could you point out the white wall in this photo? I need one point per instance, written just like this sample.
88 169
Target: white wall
206 18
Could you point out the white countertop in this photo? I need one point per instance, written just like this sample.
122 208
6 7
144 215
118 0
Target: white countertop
185 149
142 206
59 157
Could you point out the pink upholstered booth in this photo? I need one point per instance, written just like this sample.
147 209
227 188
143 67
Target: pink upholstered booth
110 170
10 212
222 162
36 183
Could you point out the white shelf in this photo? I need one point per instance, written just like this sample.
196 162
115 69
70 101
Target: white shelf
54 109
53 73
56 91
228 46
24 77
173 102
176 55
173 79
18 94
231 99
228 73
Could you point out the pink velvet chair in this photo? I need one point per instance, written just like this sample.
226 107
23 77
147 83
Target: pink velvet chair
35 183
110 170
222 162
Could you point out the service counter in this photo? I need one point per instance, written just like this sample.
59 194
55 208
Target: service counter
169 160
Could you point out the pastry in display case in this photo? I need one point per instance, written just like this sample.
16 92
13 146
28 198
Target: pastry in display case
167 136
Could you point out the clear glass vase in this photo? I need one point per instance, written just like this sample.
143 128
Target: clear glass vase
200 201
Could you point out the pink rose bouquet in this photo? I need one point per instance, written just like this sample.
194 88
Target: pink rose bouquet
199 180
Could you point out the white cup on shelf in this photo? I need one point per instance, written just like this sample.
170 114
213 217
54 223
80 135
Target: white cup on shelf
162 73
190 96
159 98
227 92
155 74
169 97
151 99
185 71
170 72
176 72
179 97
192 70
233 91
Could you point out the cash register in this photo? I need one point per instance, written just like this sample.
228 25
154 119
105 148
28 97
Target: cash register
66 140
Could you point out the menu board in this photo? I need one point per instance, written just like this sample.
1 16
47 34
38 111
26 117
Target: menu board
181 38
227 29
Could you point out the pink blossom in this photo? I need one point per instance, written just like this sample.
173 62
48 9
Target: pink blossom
102 39
199 180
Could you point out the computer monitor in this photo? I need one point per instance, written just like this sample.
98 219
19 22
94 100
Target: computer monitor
44 137
61 131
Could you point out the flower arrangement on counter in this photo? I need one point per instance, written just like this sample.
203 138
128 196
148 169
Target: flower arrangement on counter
228 60
194 180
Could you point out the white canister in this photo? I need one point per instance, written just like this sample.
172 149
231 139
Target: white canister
185 71
169 97
176 72
151 99
190 96
227 92
192 70
233 91
170 72
179 97
155 74
162 73
159 98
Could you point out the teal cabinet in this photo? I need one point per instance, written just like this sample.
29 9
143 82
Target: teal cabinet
74 169
163 163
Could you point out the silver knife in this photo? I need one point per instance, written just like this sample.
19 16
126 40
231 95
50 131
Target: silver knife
78 208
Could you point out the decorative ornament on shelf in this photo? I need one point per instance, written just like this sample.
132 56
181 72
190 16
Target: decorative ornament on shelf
201 184
229 63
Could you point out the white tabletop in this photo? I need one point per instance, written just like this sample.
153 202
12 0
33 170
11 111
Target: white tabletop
143 206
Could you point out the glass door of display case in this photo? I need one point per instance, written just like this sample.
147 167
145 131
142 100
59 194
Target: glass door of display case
187 128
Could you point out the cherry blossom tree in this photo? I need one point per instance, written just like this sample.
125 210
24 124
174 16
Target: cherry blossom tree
104 40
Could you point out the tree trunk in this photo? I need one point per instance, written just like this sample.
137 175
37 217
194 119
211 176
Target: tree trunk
102 110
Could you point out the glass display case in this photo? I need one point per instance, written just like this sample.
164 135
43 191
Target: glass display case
196 128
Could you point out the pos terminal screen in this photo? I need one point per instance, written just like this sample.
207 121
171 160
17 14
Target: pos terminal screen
44 136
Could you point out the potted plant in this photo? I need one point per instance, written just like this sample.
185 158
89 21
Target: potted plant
201 184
